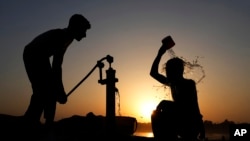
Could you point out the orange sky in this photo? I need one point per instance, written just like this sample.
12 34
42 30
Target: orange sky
131 32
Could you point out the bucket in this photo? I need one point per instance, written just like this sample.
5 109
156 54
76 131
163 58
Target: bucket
167 42
126 125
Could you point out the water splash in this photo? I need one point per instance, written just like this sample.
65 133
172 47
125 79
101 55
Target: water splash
193 69
118 100
163 92
171 53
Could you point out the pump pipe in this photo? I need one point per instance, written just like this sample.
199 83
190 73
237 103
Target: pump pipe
99 63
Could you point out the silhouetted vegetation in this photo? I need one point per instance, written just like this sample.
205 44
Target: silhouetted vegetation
210 126
222 127
213 131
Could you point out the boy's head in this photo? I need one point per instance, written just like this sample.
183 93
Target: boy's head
174 68
78 25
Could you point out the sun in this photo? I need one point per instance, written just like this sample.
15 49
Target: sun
146 110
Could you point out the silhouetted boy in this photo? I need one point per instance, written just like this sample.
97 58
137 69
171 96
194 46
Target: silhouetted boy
46 77
182 116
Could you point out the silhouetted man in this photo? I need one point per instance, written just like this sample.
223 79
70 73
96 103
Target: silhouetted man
181 117
46 77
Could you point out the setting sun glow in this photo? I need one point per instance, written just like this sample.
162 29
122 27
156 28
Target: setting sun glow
146 110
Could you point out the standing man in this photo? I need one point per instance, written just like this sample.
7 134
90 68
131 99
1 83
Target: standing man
46 77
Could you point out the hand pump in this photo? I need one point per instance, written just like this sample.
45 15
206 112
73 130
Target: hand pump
110 93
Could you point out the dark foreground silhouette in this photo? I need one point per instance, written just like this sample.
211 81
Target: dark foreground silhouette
89 127
75 128
46 77
180 117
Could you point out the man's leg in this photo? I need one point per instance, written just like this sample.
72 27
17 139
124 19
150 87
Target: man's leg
50 109
35 109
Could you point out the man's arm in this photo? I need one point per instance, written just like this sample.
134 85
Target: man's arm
154 68
167 43
57 76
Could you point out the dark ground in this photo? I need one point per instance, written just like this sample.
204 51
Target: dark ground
75 128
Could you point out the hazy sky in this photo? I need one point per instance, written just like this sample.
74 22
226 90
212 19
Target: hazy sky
131 31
